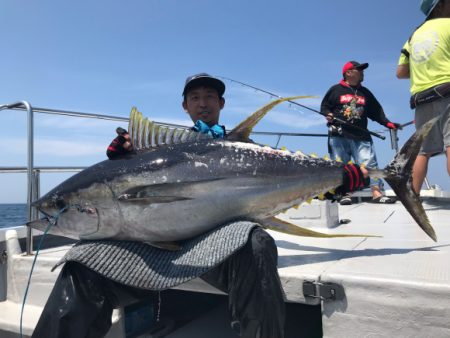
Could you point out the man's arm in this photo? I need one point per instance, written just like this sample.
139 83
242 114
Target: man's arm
376 112
403 63
403 71
326 106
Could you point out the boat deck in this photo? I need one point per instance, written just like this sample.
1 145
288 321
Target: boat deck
394 285
397 285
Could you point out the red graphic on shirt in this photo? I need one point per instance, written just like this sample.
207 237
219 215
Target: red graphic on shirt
347 98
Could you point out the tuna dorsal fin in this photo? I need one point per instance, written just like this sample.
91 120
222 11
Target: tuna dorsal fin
146 134
279 225
243 130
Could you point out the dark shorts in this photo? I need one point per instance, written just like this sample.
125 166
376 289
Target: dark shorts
439 137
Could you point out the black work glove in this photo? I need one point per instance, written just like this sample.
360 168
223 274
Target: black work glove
353 179
116 149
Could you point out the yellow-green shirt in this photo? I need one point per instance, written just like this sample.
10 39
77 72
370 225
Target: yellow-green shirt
429 59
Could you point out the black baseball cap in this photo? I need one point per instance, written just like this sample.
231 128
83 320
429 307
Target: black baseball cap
354 65
203 80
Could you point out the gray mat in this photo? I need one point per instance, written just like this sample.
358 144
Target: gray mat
143 266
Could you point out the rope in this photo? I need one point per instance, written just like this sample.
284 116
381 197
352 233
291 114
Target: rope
52 222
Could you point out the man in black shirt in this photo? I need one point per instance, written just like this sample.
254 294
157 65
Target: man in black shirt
350 101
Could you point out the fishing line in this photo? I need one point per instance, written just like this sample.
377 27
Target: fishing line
51 223
335 119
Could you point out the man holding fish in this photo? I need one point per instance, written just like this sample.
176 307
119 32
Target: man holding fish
248 273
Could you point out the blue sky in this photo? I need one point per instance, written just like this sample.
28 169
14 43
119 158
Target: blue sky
107 56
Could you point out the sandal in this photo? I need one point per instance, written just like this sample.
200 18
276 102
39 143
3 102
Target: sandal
383 200
346 200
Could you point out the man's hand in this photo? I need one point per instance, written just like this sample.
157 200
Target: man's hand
354 178
394 126
329 117
120 146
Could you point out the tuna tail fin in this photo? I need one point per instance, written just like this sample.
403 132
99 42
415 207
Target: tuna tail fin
398 175
242 131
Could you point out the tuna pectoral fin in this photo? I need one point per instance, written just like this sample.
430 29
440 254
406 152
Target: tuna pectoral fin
165 192
243 130
292 229
150 199
398 175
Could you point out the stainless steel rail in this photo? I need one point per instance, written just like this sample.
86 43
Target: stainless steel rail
33 173
25 105
5 170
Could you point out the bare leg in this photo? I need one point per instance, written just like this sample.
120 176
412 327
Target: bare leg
420 171
376 192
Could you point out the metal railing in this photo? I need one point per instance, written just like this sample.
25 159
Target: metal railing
25 105
33 173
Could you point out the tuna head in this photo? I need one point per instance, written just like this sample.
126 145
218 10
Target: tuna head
76 213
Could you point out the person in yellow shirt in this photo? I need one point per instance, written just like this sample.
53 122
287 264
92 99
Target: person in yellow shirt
425 60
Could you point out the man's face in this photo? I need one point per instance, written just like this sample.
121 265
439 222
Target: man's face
203 103
355 75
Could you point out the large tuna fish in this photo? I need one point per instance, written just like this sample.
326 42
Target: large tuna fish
175 191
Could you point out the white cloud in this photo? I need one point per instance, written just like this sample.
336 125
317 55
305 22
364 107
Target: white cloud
54 147
295 120
72 123
178 121
245 101
159 86
67 148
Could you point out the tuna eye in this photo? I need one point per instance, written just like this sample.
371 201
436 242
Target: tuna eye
87 210
90 211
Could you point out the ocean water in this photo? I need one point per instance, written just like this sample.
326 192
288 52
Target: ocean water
12 215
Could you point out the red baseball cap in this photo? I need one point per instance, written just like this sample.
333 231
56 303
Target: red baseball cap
354 65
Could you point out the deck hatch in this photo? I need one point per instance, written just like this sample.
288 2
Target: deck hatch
323 291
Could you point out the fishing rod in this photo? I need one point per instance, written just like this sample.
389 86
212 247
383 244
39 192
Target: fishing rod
408 123
335 119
